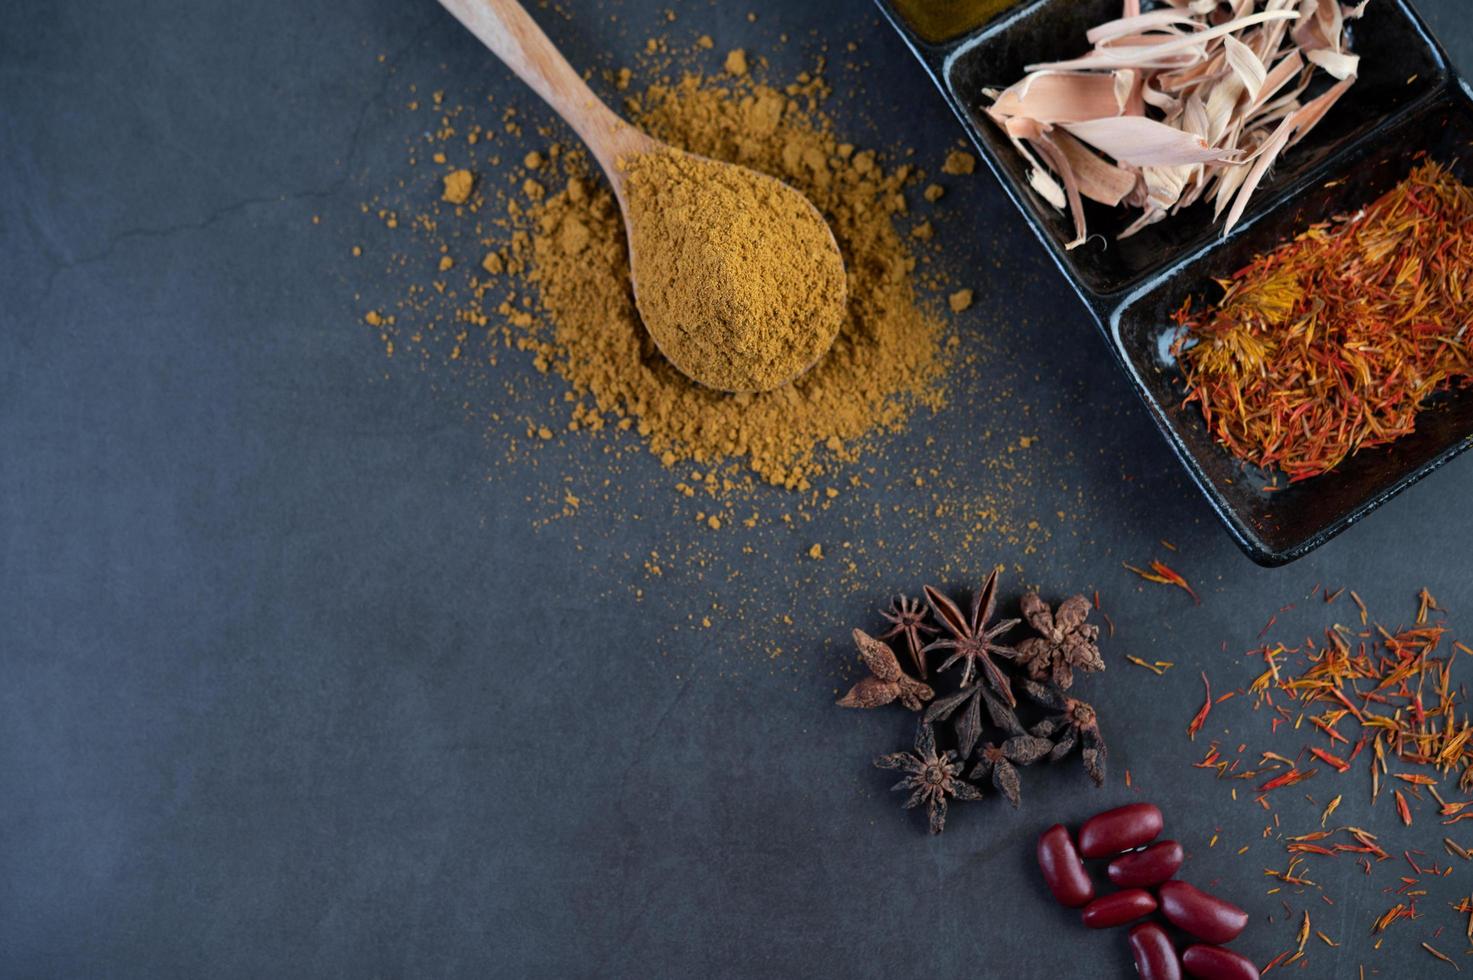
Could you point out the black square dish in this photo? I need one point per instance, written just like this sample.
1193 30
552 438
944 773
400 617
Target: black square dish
1407 101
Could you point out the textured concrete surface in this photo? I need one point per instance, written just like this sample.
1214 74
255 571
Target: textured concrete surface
297 679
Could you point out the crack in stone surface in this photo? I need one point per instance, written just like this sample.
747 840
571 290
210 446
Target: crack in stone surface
332 188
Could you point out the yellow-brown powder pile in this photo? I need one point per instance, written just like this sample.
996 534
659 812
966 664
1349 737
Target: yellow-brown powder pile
737 277
885 360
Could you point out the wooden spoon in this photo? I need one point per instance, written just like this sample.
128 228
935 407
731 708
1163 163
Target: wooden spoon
742 361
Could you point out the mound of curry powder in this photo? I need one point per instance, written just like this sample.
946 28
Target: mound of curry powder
886 361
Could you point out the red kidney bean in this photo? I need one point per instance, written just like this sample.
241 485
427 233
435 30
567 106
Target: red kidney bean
1118 908
1120 829
1216 963
1155 957
1142 869
1063 872
1205 916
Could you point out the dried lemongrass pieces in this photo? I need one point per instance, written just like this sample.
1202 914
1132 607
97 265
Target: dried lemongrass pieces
1193 101
1142 142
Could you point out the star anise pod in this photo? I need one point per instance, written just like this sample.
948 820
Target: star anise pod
908 617
931 777
971 639
1064 641
999 762
968 725
889 682
1074 725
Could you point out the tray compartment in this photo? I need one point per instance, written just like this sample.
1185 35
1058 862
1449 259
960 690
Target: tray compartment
1401 66
1276 527
937 22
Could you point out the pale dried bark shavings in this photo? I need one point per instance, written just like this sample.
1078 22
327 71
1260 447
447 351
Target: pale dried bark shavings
1191 101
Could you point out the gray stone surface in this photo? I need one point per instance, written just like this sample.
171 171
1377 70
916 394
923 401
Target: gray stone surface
296 679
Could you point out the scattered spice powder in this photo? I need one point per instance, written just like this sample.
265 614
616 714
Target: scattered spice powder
458 185
466 338
1332 343
471 331
959 163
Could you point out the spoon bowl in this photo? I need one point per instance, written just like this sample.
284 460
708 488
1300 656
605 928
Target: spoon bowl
736 275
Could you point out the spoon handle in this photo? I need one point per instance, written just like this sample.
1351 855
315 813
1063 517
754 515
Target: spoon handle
512 35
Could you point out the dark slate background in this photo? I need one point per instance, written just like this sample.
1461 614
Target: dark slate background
300 679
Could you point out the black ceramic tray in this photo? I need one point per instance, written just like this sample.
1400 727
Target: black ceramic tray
1408 101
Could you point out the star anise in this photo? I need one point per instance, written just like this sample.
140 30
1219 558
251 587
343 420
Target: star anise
971 639
999 761
968 724
1064 641
889 682
930 777
908 617
1074 725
